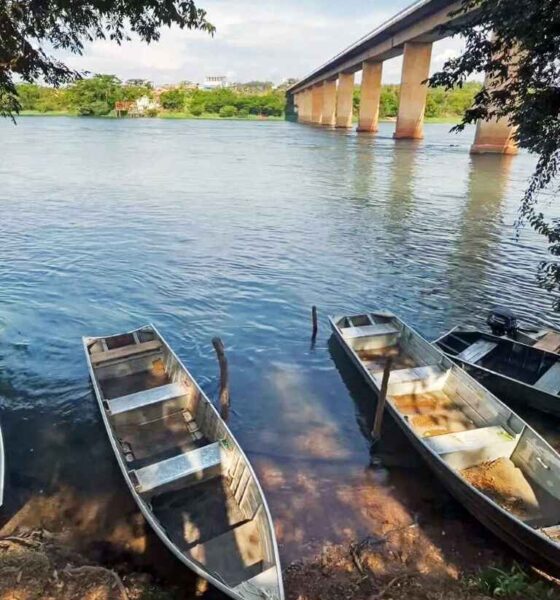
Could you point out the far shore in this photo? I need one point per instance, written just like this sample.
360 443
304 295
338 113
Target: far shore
449 120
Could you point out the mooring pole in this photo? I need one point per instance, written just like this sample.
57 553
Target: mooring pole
314 321
381 401
224 378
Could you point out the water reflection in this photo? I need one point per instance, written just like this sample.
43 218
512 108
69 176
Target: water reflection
478 230
402 177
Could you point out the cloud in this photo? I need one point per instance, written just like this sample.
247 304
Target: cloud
266 40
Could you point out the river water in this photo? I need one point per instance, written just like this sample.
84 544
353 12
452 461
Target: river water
236 229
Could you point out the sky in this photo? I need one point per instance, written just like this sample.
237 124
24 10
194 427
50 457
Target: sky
267 40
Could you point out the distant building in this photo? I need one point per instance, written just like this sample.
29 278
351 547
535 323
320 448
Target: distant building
145 103
215 82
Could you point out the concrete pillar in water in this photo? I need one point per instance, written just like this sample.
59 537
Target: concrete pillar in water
370 95
412 103
316 104
494 136
328 113
345 100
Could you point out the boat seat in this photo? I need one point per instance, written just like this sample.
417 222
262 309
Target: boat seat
550 381
146 398
178 467
350 333
477 351
464 449
413 381
126 351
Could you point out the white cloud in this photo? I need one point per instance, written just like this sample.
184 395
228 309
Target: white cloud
269 40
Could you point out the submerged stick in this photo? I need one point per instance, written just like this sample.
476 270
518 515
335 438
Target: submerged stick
224 377
380 409
314 322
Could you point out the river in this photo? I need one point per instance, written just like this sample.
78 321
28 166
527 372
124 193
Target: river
236 229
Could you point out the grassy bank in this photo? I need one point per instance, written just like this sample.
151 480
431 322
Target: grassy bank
449 120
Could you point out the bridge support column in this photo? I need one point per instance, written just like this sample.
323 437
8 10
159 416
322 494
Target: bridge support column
328 113
345 100
308 105
316 104
412 103
370 95
494 136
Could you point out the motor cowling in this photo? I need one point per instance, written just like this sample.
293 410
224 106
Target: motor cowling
502 321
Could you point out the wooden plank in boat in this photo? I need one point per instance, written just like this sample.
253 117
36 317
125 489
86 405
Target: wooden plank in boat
178 467
550 342
550 381
368 330
124 352
477 351
146 398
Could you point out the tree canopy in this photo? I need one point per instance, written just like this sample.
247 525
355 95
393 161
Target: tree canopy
517 44
29 29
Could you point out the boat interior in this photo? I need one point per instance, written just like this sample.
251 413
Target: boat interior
518 361
476 435
183 462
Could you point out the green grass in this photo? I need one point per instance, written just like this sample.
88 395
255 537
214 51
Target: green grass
53 113
515 584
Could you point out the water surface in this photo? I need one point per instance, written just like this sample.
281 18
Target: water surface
236 229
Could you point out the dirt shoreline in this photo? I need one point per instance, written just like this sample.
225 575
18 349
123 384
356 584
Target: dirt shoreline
39 565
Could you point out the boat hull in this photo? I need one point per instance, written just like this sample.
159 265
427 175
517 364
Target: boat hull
145 506
512 392
521 538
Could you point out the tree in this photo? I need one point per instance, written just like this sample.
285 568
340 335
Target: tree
28 28
516 44
95 96
173 100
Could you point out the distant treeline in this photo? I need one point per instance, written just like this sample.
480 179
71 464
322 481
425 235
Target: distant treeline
98 95
440 103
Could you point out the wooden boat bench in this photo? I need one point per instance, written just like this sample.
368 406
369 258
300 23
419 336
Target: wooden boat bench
180 467
477 351
145 398
125 352
471 447
413 381
550 381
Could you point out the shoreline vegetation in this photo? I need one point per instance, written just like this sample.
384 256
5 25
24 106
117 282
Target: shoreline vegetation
170 116
108 97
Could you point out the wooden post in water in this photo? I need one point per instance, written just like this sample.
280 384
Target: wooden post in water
381 401
224 377
314 321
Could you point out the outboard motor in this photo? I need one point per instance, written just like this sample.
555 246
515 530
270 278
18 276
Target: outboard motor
502 321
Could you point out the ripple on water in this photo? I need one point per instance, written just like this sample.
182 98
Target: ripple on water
236 229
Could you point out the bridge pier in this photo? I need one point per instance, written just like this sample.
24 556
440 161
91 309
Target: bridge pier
496 135
328 113
412 103
345 100
370 95
316 103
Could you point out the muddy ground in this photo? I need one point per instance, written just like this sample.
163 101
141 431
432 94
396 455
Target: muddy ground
38 565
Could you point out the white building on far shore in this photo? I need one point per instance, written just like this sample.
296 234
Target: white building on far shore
215 82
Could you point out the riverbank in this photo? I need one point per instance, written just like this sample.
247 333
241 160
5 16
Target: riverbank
38 565
451 120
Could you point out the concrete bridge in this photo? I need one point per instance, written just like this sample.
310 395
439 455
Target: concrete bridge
325 96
